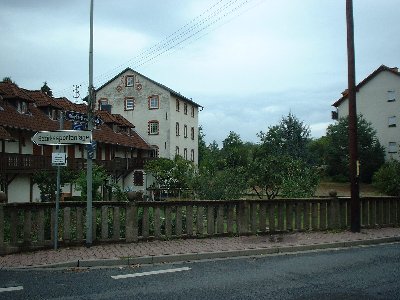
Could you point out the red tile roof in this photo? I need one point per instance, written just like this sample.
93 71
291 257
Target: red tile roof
37 120
5 135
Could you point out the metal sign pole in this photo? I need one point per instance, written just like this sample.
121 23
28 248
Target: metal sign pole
90 127
58 191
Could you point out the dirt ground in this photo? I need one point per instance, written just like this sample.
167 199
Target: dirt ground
343 189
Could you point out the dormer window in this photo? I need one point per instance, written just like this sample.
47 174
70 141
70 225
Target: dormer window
22 107
53 113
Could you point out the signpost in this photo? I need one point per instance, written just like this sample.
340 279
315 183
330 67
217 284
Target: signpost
62 137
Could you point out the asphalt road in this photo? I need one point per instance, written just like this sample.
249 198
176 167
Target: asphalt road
356 273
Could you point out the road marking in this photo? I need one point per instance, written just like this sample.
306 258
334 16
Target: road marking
11 289
150 273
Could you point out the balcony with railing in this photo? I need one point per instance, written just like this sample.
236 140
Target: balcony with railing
14 163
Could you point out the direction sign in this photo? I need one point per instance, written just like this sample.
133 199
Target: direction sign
83 118
62 137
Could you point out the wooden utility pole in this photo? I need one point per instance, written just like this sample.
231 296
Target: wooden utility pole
353 151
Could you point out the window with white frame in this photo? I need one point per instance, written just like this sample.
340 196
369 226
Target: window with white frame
129 103
391 95
154 102
129 80
392 121
392 147
103 101
153 127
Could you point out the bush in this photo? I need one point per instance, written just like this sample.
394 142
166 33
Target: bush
387 178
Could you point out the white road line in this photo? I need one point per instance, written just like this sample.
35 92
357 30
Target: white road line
150 273
11 289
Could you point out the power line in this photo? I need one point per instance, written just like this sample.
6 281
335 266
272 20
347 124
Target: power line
187 34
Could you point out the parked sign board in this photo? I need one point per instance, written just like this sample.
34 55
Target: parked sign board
59 159
62 137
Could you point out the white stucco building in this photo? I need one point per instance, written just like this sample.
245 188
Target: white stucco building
378 100
164 118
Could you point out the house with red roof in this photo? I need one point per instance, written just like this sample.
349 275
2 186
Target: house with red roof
378 101
119 148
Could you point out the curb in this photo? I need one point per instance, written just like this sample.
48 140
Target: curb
188 257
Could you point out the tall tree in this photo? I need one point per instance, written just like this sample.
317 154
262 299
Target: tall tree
46 89
290 137
371 153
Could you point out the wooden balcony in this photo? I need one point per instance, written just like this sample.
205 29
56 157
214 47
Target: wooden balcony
13 163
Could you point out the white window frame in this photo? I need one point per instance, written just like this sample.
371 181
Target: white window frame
392 147
154 102
154 127
130 80
391 95
129 103
392 121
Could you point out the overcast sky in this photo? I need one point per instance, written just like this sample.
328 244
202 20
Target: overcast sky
247 62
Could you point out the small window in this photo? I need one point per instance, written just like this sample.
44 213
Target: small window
129 103
129 80
391 96
22 107
177 129
192 133
153 128
192 109
192 155
185 108
185 133
138 178
177 150
103 101
154 152
392 121
392 147
177 105
154 102
185 153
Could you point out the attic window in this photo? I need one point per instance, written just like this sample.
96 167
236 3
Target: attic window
22 107
129 80
391 97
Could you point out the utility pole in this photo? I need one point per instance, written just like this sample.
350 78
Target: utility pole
58 189
89 172
353 152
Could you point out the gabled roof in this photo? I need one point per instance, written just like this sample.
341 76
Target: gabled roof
42 99
175 94
382 68
9 90
37 120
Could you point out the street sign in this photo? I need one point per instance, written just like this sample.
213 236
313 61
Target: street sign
83 118
62 137
58 159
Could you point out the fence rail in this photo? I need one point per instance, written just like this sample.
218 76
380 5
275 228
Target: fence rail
29 226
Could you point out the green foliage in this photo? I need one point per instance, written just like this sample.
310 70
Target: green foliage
387 178
47 183
46 90
99 177
300 181
371 153
282 175
290 137
177 173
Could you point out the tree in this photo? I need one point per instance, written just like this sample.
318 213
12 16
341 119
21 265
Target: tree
387 178
371 153
290 137
46 90
283 175
47 183
99 177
